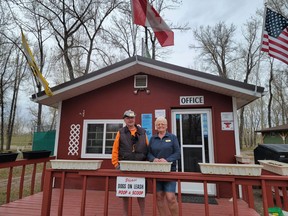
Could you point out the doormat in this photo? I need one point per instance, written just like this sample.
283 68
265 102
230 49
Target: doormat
192 198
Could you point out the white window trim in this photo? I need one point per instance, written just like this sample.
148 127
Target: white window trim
84 137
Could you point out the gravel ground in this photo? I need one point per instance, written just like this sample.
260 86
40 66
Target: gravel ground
258 201
257 192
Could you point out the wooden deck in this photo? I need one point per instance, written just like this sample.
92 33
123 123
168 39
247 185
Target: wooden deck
31 205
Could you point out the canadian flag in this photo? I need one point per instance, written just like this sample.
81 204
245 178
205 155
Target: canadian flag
144 14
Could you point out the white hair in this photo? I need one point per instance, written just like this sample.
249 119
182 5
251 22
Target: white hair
161 119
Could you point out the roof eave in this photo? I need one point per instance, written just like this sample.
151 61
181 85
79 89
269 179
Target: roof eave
244 93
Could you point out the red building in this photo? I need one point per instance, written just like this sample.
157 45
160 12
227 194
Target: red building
201 110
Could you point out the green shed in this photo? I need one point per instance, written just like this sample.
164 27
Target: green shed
274 135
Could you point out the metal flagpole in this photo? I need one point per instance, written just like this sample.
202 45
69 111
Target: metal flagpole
258 64
142 46
133 28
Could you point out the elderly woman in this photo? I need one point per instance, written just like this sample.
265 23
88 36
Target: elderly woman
164 147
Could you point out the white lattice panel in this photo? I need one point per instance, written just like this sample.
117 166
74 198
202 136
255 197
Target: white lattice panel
74 137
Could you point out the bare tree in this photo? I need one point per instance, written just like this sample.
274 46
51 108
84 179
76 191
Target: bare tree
18 76
270 94
5 83
129 38
281 6
10 76
74 25
122 34
67 18
10 80
279 106
249 55
161 6
35 25
216 46
276 109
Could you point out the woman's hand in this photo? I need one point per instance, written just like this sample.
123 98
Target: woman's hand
159 160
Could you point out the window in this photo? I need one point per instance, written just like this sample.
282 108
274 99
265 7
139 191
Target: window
98 137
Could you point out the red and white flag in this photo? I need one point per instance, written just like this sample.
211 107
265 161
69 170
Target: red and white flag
275 36
144 14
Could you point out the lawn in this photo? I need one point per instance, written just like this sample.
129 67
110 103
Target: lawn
20 143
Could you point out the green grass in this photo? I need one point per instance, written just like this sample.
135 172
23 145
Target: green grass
22 141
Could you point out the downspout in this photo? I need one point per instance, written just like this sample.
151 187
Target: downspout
58 129
236 126
236 135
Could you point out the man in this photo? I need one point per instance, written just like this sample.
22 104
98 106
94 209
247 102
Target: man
130 144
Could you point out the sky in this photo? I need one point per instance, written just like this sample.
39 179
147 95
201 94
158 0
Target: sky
206 12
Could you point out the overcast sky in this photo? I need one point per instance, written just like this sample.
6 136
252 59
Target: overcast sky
206 12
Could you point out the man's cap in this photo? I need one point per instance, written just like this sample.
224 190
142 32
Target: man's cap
129 113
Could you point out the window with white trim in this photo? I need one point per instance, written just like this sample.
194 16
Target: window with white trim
98 137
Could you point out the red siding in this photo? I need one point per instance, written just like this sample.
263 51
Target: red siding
111 101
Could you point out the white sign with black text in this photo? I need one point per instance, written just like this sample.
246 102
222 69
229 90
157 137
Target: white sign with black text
130 187
191 100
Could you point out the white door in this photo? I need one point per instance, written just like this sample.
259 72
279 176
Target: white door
194 131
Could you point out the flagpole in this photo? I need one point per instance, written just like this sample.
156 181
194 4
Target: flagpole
133 29
146 41
142 46
258 64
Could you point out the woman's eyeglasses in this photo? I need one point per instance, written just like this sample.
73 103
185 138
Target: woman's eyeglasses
160 124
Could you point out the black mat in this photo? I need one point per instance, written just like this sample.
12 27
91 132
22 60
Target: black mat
192 198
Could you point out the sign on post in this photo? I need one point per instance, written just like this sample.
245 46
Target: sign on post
130 187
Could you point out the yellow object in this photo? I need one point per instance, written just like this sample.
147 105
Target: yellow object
33 66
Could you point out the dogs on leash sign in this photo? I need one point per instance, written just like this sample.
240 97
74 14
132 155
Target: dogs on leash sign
130 187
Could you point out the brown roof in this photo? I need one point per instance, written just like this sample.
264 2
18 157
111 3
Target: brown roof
277 128
243 93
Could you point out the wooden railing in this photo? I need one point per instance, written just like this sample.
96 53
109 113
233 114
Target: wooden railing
273 187
21 166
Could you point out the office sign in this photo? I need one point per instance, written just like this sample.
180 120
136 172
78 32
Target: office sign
191 100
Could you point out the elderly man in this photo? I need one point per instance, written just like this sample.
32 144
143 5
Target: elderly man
130 144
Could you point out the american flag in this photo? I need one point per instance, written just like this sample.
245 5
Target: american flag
275 36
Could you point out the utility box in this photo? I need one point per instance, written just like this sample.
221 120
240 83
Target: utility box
277 152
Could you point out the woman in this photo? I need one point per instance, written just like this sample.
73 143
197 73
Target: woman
164 147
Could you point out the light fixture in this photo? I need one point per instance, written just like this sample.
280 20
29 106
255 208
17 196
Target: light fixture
141 89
